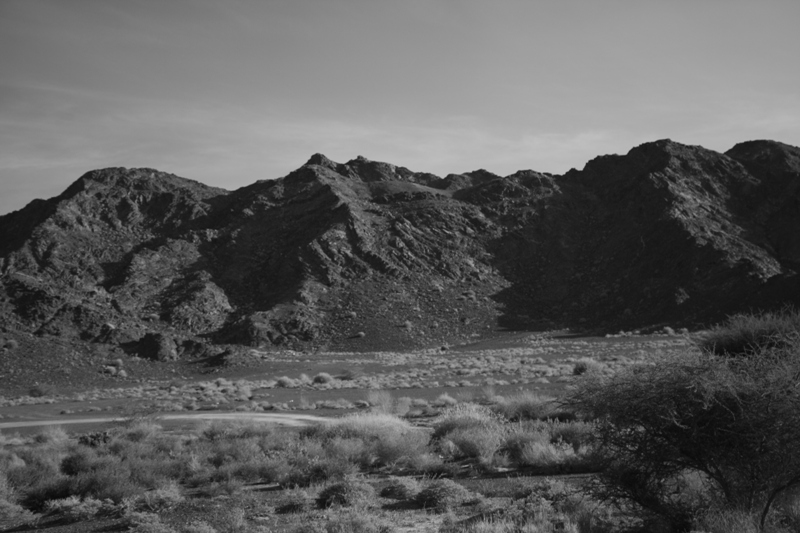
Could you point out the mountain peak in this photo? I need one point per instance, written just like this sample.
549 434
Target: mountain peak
321 160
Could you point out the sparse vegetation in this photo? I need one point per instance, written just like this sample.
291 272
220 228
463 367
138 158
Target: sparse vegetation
139 474
350 492
749 334
400 488
442 494
676 436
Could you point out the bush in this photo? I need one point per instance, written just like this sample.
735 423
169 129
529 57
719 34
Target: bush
480 443
387 439
139 522
348 522
294 501
349 493
198 526
51 435
442 494
727 421
141 430
287 382
227 430
746 334
466 416
381 401
76 509
526 405
323 378
112 482
400 488
41 390
306 470
159 499
587 366
14 513
727 521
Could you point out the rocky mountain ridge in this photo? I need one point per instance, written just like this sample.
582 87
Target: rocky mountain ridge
369 255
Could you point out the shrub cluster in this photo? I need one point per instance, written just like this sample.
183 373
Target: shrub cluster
705 434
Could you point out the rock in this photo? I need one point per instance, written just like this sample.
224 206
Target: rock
667 233
157 347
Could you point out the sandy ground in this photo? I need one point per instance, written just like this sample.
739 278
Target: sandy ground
281 419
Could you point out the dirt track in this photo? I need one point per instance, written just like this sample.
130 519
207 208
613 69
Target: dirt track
291 420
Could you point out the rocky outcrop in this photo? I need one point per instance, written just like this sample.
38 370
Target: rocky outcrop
369 255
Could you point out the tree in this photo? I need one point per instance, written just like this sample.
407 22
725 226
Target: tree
730 421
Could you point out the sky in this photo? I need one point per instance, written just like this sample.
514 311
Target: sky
230 92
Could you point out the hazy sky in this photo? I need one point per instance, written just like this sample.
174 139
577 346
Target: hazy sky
228 92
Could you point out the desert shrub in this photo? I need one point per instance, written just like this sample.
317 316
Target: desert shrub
9 460
41 390
112 482
11 512
235 520
226 430
50 435
577 434
406 449
381 401
222 452
727 421
306 470
348 522
353 450
95 438
442 494
323 378
469 431
745 334
533 515
140 430
76 509
587 365
727 521
465 416
526 405
387 439
480 443
161 498
400 488
198 526
151 466
361 425
350 492
294 501
81 459
519 439
144 522
6 490
340 403
551 446
445 400
37 478
287 382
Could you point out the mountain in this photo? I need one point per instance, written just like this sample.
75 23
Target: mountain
368 255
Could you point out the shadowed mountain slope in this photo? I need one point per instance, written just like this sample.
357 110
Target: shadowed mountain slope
369 255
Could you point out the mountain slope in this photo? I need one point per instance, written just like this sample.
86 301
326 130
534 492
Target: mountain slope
369 255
